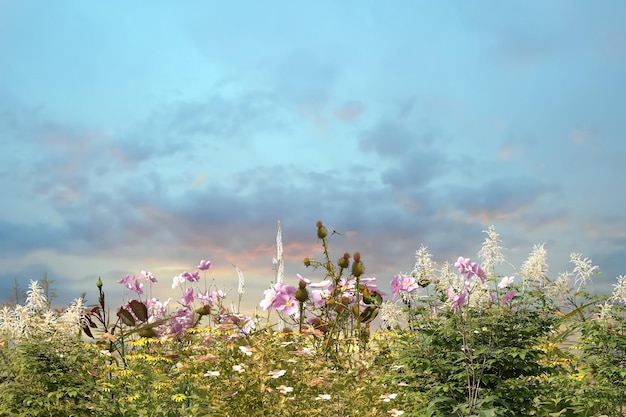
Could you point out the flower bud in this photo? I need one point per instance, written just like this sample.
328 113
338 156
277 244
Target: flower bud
321 230
358 269
204 310
307 262
99 283
344 261
302 294
357 257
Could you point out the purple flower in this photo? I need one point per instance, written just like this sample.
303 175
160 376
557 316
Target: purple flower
191 276
464 265
508 296
286 303
204 265
457 299
470 269
281 297
147 276
181 321
131 282
403 283
205 298
187 297
320 292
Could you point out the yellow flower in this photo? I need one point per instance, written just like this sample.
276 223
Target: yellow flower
577 376
179 398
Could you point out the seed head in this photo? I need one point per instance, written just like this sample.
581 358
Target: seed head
321 230
344 261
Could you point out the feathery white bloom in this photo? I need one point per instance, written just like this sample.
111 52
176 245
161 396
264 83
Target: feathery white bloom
606 311
390 314
535 268
240 287
583 269
619 291
491 251
424 266
447 278
35 318
559 289
70 322
280 266
36 300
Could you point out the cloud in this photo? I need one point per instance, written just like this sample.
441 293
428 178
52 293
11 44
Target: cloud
500 198
349 111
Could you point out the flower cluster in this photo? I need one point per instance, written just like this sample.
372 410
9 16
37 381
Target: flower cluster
192 306
36 318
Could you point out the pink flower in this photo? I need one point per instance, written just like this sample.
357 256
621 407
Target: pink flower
320 292
147 276
281 297
403 283
457 299
187 297
191 276
508 296
470 269
204 265
131 282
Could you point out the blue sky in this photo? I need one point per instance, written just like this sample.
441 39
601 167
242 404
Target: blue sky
152 134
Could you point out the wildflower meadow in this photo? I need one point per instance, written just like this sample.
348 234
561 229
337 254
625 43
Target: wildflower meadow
452 339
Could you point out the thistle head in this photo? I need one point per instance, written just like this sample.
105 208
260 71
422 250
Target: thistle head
321 230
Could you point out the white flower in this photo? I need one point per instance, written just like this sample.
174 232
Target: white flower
559 289
245 350
212 373
506 282
284 389
240 287
535 268
619 291
491 252
583 269
390 314
424 267
239 368
323 397
277 374
177 281
396 413
388 397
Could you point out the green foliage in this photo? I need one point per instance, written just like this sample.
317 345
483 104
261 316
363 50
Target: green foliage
499 352
46 377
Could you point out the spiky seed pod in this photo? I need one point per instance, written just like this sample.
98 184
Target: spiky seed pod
344 261
321 230
358 269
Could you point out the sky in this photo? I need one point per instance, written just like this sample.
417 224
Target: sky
149 135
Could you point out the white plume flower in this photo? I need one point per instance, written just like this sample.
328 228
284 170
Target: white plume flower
491 251
583 268
535 268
